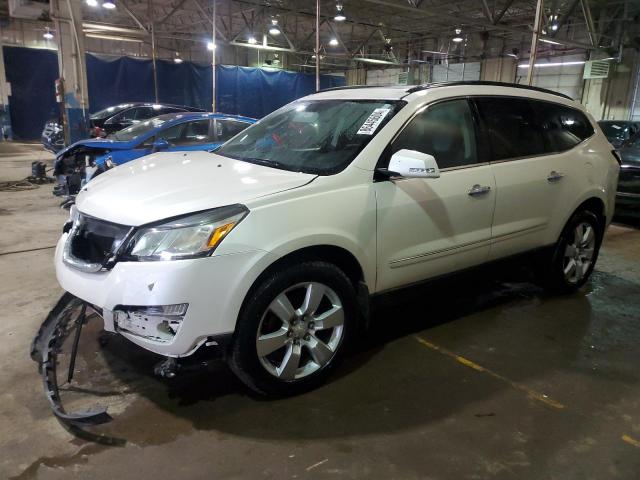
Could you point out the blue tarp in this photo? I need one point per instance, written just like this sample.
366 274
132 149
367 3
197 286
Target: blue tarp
32 74
253 92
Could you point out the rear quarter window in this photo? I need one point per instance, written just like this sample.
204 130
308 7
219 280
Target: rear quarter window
564 127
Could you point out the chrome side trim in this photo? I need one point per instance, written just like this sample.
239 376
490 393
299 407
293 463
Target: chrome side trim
422 257
519 233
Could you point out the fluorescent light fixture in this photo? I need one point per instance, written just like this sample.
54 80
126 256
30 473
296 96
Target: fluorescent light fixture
552 64
545 40
457 39
109 4
252 40
340 16
177 58
375 60
113 37
92 3
211 46
48 35
333 42
273 29
512 55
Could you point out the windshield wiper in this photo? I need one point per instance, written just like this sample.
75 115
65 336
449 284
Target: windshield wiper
266 163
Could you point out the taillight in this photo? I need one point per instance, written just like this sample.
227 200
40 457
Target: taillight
617 156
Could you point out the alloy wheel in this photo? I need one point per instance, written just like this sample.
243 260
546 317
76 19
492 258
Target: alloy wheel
292 343
578 254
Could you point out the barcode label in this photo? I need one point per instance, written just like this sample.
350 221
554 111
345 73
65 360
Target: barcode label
375 119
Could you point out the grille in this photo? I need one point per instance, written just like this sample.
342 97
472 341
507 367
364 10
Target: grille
95 241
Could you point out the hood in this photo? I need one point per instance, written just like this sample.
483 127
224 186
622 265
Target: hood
164 185
102 143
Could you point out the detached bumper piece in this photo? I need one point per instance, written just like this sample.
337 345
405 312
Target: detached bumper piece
67 318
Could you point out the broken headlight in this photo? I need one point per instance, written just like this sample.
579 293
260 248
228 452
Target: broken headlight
192 236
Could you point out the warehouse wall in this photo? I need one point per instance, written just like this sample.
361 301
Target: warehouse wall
613 98
565 78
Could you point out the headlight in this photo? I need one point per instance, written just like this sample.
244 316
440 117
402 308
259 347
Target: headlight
191 236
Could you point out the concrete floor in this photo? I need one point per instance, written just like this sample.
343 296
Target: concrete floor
487 378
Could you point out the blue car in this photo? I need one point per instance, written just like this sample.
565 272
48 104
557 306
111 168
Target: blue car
80 162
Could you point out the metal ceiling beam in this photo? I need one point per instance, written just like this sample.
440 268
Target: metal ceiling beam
177 7
499 16
487 11
133 16
591 29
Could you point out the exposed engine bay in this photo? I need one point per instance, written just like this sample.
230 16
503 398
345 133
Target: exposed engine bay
75 167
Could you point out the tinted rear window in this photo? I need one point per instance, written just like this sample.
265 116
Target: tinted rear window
511 127
564 127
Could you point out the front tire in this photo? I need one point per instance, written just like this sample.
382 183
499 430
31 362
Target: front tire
294 328
575 254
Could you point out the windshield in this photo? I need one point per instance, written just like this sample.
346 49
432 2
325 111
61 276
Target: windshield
134 131
320 137
615 130
107 112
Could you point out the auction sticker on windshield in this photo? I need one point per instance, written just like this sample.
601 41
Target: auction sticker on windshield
375 119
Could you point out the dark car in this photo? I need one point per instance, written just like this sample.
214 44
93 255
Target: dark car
111 120
628 195
619 131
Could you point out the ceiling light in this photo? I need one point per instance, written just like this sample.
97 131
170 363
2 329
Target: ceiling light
550 41
252 40
273 29
48 35
375 60
177 58
552 64
340 16
334 42
211 46
457 38
109 4
92 3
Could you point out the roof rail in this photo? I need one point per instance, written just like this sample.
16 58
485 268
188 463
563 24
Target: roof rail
487 83
349 87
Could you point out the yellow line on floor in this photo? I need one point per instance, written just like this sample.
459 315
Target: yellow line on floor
631 441
468 363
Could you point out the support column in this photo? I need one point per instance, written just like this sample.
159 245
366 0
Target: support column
72 68
6 133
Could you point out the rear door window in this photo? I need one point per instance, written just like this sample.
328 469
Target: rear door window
564 127
511 127
226 129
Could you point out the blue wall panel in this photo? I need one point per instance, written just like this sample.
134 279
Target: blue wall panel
246 91
114 80
32 74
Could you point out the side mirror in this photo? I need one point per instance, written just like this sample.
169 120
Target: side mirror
412 164
160 144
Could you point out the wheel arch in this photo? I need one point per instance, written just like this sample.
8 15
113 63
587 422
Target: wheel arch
334 254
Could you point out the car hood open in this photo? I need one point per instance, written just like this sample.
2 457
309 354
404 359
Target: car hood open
165 185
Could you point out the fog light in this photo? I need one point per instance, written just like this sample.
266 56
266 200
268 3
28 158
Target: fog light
159 322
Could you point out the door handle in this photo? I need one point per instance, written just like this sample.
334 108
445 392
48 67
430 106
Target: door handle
555 176
479 190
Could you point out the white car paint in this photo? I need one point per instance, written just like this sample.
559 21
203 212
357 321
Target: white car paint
400 231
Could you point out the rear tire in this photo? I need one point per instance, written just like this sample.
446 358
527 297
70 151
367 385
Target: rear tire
294 328
575 254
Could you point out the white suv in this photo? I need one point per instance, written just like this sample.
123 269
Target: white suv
272 246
